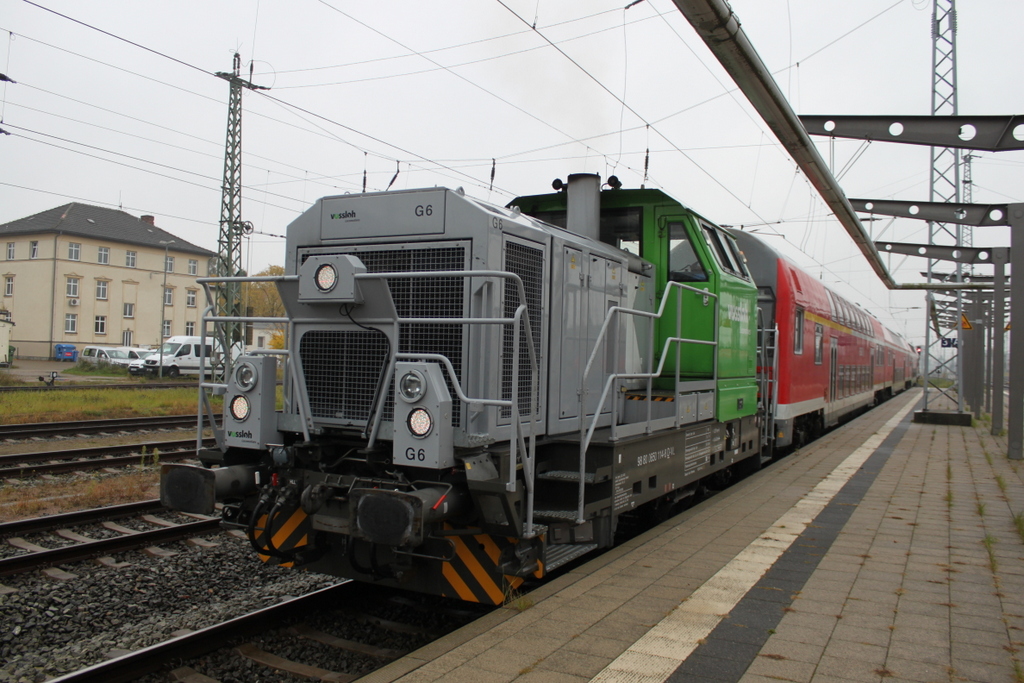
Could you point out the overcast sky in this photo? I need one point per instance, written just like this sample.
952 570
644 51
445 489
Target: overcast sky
438 89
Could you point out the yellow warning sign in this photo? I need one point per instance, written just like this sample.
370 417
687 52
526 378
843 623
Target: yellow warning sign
965 324
1007 328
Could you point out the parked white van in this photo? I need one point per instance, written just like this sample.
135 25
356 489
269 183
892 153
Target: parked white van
180 357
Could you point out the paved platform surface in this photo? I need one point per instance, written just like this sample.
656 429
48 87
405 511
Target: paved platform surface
885 551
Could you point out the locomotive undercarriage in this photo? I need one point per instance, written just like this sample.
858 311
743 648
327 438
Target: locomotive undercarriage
337 510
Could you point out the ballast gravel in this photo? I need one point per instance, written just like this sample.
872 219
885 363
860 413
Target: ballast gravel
51 627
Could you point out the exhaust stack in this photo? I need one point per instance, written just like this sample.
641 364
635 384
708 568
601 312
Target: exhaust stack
583 205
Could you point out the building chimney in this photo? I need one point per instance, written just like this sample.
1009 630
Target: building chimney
583 205
148 219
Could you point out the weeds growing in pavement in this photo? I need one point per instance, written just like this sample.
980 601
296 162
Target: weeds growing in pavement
1018 523
989 542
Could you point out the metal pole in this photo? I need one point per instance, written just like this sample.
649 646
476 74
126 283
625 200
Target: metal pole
988 356
999 258
163 308
1016 419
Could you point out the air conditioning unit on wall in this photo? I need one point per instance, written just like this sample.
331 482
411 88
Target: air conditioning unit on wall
72 302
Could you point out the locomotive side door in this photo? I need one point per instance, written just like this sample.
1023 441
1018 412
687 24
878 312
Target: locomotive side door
574 330
591 285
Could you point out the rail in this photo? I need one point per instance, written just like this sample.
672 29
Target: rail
587 432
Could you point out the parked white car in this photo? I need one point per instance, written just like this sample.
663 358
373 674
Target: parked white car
138 365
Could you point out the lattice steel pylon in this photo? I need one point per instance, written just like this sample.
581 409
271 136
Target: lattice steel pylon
944 180
228 262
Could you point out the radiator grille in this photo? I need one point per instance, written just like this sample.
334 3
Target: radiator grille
342 371
528 263
419 298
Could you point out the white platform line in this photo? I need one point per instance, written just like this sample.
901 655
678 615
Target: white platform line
654 657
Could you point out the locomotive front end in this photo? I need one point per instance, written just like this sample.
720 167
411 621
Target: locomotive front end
410 394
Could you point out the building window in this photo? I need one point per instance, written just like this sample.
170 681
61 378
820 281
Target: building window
190 328
190 298
74 251
819 343
129 258
10 251
33 249
798 331
72 287
261 341
168 296
101 324
101 289
193 267
126 338
9 286
103 256
129 312
168 264
167 328
71 323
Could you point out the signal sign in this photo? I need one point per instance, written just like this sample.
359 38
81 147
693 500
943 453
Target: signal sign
965 324
950 342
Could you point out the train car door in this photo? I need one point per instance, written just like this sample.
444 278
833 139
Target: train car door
833 376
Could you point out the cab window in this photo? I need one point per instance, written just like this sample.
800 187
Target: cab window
683 264
726 257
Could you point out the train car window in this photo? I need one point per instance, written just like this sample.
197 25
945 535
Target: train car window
831 302
622 228
683 264
798 331
819 338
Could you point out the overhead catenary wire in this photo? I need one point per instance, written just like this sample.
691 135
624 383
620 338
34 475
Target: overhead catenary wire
210 73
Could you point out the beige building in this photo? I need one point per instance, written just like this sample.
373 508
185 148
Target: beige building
82 275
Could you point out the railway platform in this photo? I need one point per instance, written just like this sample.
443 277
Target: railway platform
886 551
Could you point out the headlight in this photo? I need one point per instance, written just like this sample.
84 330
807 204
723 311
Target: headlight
246 376
326 277
411 386
420 422
239 408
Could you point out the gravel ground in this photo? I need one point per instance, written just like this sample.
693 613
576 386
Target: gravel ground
49 627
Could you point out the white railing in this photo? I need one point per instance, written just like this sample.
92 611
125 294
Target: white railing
587 432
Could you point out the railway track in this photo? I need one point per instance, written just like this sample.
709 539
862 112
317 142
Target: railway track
289 619
99 457
51 429
116 385
84 547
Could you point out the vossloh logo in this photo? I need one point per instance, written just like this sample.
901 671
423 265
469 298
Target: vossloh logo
344 216
240 435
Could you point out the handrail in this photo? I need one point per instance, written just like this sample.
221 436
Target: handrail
522 444
587 433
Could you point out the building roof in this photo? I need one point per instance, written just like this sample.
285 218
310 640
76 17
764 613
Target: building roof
99 223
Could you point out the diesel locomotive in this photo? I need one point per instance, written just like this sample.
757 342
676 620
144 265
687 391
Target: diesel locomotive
474 395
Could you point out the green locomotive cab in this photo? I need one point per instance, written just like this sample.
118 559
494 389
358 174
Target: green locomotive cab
688 249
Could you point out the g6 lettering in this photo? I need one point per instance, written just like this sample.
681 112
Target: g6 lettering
427 210
415 454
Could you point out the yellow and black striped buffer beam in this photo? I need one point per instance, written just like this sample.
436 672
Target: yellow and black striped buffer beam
290 531
473 573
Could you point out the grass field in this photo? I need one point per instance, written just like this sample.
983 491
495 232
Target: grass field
96 404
